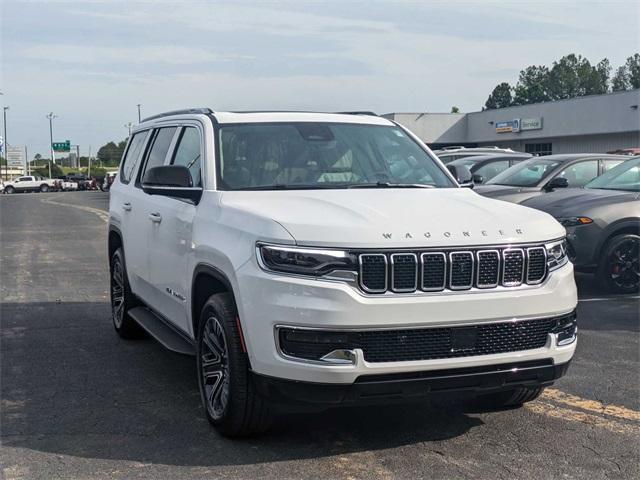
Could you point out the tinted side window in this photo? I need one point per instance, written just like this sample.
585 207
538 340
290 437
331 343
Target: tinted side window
609 164
133 155
160 147
580 174
492 169
187 153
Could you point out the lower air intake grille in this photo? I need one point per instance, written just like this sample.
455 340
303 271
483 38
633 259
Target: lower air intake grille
421 343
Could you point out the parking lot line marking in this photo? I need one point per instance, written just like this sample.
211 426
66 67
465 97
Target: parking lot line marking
104 216
590 405
604 299
576 416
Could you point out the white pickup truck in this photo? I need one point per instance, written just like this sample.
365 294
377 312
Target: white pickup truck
30 183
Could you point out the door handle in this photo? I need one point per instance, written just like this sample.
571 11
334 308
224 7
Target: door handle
155 217
126 206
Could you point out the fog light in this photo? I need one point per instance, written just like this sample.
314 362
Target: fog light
566 329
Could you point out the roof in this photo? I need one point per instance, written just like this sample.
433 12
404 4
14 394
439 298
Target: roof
566 157
491 156
279 116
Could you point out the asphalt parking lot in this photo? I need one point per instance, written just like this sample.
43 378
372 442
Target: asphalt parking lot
78 402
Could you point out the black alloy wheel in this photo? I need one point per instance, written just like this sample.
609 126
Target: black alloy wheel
622 269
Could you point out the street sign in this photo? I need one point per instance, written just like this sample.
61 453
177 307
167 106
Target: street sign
15 156
62 146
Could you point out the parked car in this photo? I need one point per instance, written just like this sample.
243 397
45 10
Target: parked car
485 167
83 182
316 260
449 154
63 184
603 225
541 175
29 183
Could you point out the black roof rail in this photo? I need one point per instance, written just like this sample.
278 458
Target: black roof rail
364 112
203 111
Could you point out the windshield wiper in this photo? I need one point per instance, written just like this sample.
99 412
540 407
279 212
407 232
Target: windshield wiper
390 185
284 186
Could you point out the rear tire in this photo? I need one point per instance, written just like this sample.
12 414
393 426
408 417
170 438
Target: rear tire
122 300
508 398
619 270
228 395
44 188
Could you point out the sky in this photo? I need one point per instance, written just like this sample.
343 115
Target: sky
91 62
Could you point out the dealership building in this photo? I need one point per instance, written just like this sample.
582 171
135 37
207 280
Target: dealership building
596 123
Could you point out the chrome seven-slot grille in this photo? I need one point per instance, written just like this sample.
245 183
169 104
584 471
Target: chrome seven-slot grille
434 271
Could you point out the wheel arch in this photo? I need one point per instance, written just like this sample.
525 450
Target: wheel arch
114 241
207 280
621 227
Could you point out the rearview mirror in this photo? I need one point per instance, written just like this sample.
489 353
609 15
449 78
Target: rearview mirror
558 182
171 181
462 175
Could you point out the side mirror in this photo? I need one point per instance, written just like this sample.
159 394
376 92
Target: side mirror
171 181
478 179
558 182
462 175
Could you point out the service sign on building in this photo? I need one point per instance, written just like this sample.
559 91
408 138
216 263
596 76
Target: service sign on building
508 126
531 123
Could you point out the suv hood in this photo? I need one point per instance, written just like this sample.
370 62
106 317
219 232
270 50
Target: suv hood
396 218
574 201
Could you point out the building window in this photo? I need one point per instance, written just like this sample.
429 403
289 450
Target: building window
538 149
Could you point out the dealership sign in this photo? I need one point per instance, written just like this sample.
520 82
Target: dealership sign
516 125
15 156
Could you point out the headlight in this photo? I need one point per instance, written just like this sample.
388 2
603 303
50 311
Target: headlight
574 221
556 254
305 261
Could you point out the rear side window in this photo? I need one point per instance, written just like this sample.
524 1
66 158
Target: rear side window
132 156
159 148
187 153
492 169
579 174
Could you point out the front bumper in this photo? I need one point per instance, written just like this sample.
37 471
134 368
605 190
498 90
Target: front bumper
267 300
375 389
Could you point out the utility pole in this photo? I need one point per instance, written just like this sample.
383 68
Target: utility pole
6 145
26 161
128 125
89 163
51 116
139 118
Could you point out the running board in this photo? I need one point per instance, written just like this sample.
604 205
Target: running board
163 333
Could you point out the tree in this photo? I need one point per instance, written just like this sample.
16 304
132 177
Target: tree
455 109
633 69
620 80
532 86
574 76
500 97
110 154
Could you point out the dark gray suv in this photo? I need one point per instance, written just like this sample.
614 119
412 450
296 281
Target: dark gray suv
603 225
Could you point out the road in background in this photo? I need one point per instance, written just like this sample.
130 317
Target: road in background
79 402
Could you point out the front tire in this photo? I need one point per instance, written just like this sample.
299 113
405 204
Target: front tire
228 395
9 190
122 300
619 270
515 397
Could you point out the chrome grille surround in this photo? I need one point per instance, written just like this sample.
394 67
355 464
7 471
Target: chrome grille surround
452 270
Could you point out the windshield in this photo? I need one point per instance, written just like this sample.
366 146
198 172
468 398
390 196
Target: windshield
302 155
625 176
525 174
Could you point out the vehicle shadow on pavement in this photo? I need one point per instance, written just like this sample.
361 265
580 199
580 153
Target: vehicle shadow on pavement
71 386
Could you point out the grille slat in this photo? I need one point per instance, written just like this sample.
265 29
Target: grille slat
432 271
536 264
404 272
512 267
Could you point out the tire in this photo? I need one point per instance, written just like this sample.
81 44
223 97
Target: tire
44 188
619 269
228 395
508 398
122 300
9 190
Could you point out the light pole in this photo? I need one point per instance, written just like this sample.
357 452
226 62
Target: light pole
6 161
128 125
138 105
51 116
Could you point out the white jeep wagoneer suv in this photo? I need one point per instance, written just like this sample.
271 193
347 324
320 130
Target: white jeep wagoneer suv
320 259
